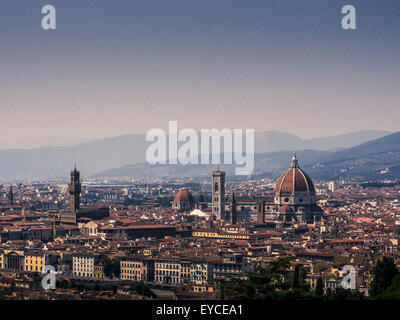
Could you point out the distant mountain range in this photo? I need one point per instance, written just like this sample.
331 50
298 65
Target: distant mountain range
41 142
56 162
125 156
269 164
272 141
376 159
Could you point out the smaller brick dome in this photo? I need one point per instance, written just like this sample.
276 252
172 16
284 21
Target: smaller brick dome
183 195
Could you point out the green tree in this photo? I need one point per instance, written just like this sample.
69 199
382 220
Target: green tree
142 289
87 287
112 268
296 277
393 291
133 250
263 283
319 288
384 272
343 294
64 284
80 287
116 269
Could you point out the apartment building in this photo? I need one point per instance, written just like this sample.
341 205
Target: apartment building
167 271
83 265
34 261
137 268
201 273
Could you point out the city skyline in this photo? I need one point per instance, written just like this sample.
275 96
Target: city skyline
183 239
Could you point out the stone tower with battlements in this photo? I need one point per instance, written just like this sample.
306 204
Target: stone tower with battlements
74 189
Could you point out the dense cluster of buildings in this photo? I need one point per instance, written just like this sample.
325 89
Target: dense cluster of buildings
188 238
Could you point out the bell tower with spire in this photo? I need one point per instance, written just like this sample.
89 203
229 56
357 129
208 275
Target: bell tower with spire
74 190
218 194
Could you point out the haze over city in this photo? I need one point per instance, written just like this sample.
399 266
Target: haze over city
111 69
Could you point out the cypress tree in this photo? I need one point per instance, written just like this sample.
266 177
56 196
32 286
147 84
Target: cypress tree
384 272
319 288
296 277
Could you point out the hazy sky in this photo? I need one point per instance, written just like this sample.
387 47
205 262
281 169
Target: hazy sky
126 66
